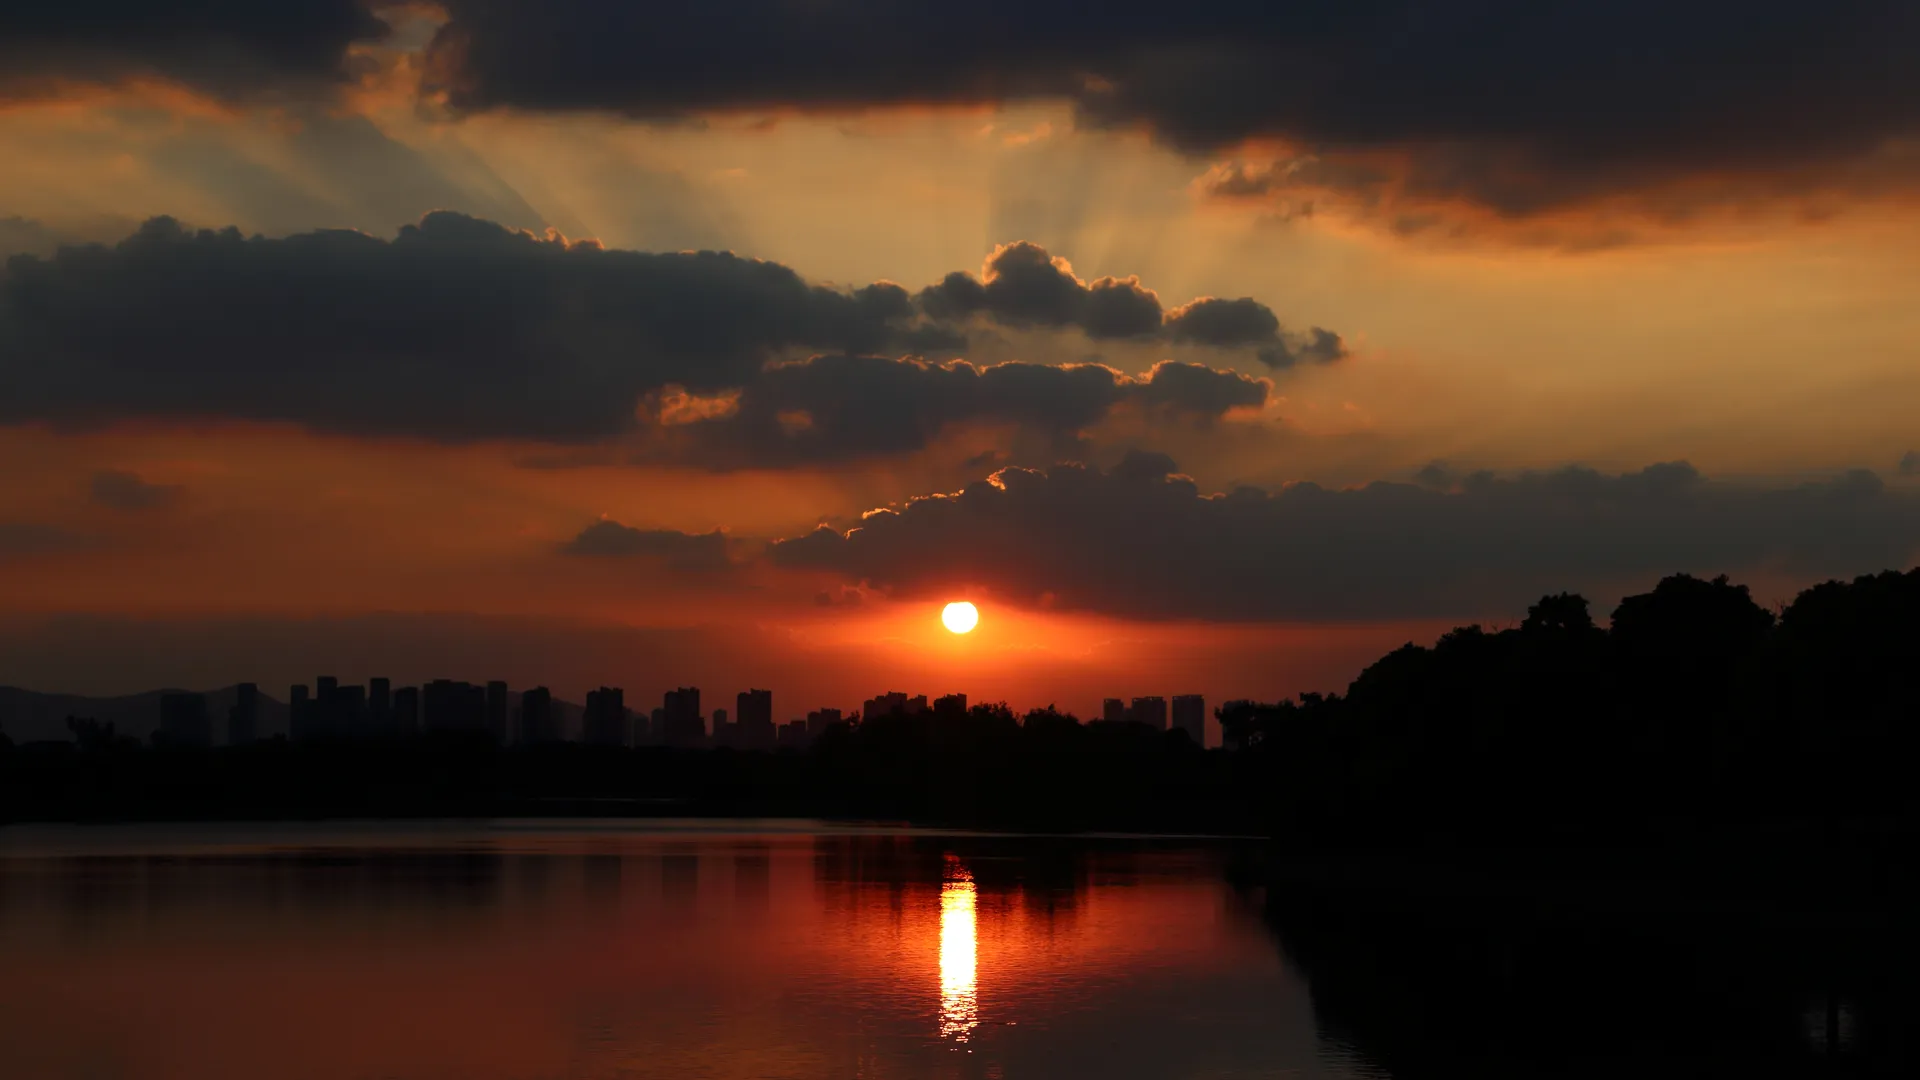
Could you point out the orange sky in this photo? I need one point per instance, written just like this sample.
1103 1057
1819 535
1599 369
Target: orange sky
1766 337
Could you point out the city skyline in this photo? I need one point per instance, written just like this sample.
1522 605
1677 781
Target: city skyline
329 710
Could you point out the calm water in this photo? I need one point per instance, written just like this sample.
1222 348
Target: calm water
516 952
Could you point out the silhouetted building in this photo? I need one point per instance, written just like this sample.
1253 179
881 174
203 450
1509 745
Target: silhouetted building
893 701
1151 711
324 718
1113 711
406 712
819 720
1190 716
498 712
650 727
793 735
539 724
951 707
184 720
349 712
380 707
605 721
299 713
753 720
243 718
681 718
451 706
724 732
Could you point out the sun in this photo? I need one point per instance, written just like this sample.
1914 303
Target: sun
960 617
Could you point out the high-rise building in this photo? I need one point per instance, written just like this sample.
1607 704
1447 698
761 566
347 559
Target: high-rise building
349 712
681 716
406 712
819 720
380 707
893 701
539 724
793 735
299 714
498 713
1151 711
1190 716
725 733
753 720
325 719
952 706
184 721
605 722
243 719
450 706
1113 711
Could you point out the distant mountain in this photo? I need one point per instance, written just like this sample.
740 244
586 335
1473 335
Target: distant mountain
29 716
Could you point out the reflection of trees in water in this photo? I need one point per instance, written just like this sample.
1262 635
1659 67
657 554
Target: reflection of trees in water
1500 988
753 875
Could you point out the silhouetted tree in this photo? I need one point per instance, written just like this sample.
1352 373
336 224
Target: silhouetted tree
1565 613
94 737
1685 657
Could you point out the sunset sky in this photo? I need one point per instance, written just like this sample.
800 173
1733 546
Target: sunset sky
1210 347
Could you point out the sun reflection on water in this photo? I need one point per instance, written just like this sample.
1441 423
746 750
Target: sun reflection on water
959 987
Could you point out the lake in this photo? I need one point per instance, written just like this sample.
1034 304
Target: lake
731 950
575 951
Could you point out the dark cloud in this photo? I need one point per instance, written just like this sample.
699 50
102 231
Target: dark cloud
1910 463
1247 323
30 538
840 408
680 551
460 329
233 49
1511 103
1023 285
21 236
127 491
1317 346
1435 474
457 329
1139 541
1223 322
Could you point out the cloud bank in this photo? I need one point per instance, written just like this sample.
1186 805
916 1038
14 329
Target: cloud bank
1022 285
1511 105
1516 107
120 490
234 50
460 329
1143 541
847 408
